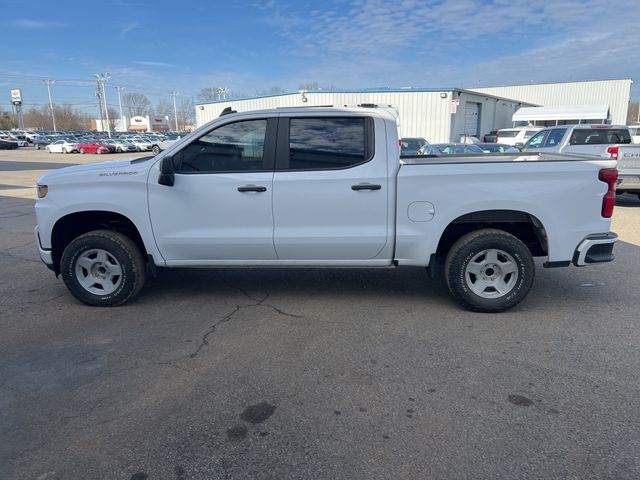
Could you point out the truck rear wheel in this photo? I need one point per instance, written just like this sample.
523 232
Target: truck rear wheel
103 268
489 270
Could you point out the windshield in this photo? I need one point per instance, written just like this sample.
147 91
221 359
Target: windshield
508 133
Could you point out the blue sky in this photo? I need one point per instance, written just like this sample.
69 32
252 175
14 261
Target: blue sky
157 47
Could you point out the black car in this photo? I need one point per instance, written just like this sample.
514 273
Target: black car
8 145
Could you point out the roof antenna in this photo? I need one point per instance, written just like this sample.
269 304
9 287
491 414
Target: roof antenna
227 111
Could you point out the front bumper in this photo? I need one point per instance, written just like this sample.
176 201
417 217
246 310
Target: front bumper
45 255
595 249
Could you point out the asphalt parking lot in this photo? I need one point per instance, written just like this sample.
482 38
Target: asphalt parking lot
336 374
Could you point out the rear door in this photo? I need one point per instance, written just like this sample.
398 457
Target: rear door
330 189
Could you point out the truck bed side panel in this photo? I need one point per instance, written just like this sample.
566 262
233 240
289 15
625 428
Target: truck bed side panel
565 196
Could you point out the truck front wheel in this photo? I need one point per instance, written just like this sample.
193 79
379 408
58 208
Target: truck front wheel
489 270
103 268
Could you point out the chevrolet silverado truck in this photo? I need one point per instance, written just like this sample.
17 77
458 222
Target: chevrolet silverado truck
323 187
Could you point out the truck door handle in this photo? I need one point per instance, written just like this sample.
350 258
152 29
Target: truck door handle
365 186
252 188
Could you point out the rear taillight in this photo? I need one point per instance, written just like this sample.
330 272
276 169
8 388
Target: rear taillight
613 153
608 176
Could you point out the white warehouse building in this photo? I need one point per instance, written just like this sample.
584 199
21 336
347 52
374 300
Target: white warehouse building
447 114
439 115
611 95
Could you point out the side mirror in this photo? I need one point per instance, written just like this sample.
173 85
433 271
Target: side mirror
519 145
167 172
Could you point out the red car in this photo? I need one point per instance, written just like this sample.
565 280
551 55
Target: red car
93 146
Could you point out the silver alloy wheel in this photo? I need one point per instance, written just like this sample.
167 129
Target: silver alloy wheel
492 273
98 272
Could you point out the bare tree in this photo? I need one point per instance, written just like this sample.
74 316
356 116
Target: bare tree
113 119
67 118
633 116
186 114
7 120
275 90
212 94
136 104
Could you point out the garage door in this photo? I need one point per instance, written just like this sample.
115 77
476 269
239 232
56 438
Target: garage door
471 116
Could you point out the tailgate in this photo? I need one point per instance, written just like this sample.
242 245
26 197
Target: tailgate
629 158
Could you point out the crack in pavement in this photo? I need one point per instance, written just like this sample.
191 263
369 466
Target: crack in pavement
258 302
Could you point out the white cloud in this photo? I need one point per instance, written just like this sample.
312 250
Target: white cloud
454 42
149 63
28 23
127 28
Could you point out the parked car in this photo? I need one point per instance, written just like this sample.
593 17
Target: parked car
120 146
628 157
634 130
335 194
491 137
412 145
511 136
141 144
62 146
584 139
456 148
159 146
497 148
93 146
40 141
8 145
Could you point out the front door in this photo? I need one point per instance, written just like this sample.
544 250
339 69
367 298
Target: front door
220 207
330 189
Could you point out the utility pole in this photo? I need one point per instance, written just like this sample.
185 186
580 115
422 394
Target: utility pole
120 103
99 95
102 78
50 82
175 110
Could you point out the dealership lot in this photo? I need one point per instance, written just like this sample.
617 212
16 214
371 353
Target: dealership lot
276 373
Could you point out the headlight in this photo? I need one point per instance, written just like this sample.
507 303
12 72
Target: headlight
42 190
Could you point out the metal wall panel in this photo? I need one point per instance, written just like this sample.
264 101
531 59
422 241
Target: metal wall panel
615 93
422 114
426 114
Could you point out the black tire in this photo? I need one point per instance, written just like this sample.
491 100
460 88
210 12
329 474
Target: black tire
155 149
122 249
466 249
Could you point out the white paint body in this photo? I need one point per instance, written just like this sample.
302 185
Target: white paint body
314 218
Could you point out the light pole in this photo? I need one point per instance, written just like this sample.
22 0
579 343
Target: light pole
120 104
50 82
102 79
175 110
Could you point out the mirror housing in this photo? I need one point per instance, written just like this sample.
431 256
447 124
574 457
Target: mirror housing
519 145
167 172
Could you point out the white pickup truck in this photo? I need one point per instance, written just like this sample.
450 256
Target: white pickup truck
323 187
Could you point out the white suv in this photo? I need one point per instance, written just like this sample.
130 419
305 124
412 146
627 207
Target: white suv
511 136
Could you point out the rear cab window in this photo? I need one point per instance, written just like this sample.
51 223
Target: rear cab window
599 136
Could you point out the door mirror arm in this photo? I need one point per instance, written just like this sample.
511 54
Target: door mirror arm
167 175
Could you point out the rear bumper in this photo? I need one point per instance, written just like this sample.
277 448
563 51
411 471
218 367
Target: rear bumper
628 181
595 249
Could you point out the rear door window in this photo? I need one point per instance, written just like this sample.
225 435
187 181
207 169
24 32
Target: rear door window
555 137
328 143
